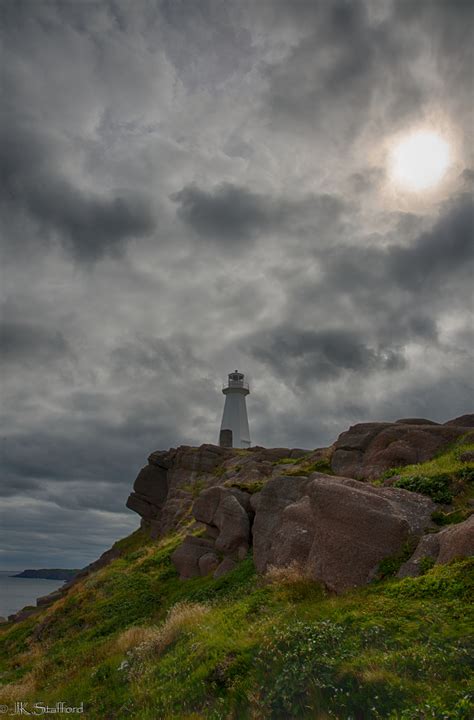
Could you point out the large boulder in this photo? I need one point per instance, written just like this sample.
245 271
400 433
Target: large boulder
225 567
367 450
223 512
152 483
203 459
225 509
356 526
294 537
456 541
234 526
337 529
270 505
186 557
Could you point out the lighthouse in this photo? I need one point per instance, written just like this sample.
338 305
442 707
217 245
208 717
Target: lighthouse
235 425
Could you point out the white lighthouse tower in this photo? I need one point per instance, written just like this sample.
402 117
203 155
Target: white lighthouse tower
235 425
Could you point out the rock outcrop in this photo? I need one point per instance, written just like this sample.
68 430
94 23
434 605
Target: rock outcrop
367 450
453 542
337 529
164 490
225 514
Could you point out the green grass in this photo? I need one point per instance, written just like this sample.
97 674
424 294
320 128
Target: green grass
323 466
437 487
250 486
447 462
387 651
288 461
243 648
445 479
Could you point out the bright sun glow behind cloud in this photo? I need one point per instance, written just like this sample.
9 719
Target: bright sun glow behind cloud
420 160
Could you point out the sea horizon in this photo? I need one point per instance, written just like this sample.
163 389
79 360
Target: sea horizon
17 592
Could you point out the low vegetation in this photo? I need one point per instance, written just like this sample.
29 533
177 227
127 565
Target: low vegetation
133 641
447 479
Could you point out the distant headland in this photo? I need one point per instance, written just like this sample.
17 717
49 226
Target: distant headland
47 574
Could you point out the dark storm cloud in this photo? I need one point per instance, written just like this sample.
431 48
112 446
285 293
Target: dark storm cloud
438 254
467 176
89 225
68 450
310 355
230 213
152 374
282 250
441 256
26 344
359 61
383 284
343 59
449 23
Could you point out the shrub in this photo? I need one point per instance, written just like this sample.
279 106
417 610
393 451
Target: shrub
250 487
295 661
453 581
438 487
323 466
450 518
426 564
466 474
390 565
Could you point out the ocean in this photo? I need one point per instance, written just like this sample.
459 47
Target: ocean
15 593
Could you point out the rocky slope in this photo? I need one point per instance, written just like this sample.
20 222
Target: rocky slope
296 506
337 528
264 635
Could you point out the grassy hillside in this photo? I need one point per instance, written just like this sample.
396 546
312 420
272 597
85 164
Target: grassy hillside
133 641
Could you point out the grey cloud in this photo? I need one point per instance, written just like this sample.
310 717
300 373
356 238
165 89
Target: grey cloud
467 176
31 345
39 534
231 214
435 258
89 225
366 180
437 254
317 355
396 291
228 214
341 61
357 60
267 121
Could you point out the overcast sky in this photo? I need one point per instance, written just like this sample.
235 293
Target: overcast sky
194 186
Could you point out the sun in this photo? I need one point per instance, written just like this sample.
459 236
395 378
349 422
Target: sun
420 160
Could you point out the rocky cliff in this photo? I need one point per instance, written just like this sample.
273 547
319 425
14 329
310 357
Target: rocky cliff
324 510
329 512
